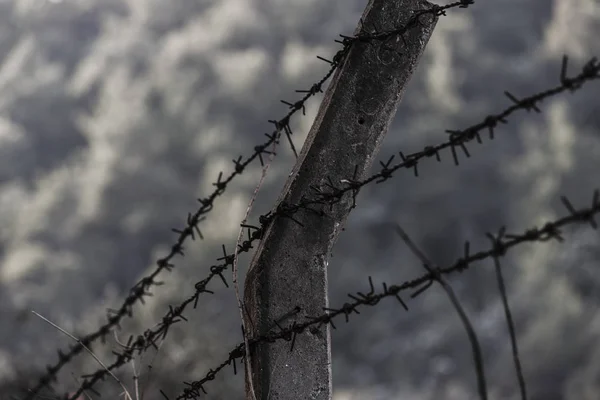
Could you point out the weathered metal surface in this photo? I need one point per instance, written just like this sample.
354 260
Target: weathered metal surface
289 267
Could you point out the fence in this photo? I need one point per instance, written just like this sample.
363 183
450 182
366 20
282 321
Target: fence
457 144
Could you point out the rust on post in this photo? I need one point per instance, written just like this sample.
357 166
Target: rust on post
289 268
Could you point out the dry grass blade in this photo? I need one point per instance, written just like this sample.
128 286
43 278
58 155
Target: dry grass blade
511 329
88 350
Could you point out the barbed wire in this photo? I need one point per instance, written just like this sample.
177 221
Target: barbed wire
141 289
501 243
149 338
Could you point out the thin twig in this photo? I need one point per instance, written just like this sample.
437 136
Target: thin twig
150 369
136 380
435 273
87 349
511 329
84 393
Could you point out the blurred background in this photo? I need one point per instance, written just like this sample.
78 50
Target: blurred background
115 115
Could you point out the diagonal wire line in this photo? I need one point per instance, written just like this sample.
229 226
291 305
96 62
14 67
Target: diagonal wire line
590 71
549 231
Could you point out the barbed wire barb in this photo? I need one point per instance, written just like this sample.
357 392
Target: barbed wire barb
530 235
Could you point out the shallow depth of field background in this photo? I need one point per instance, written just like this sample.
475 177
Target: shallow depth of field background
115 115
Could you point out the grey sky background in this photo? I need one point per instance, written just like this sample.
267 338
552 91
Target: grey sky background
115 115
